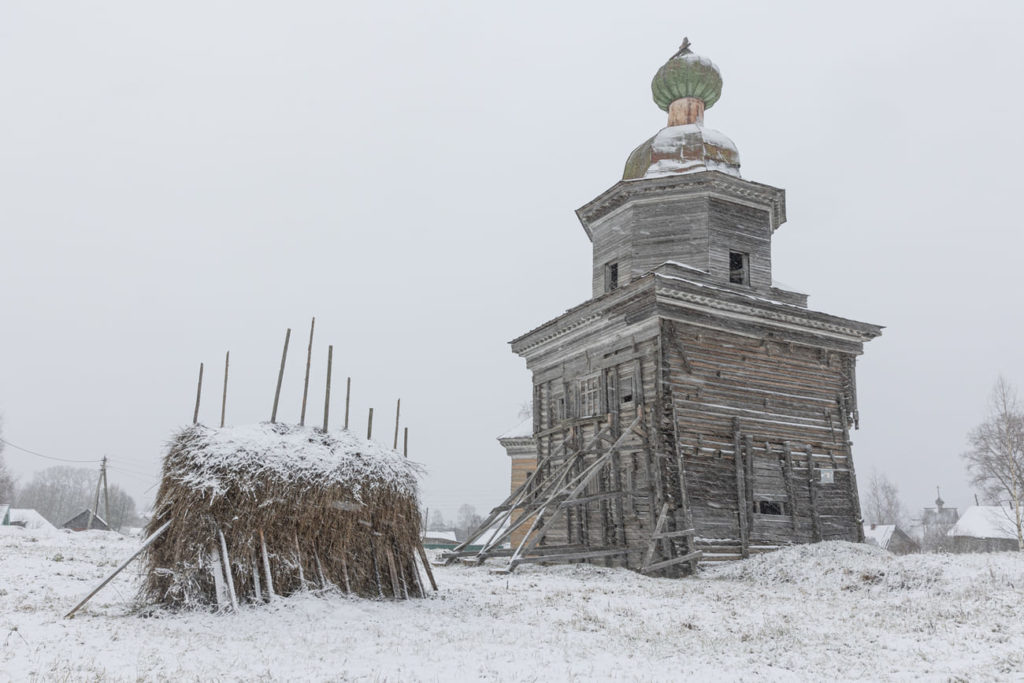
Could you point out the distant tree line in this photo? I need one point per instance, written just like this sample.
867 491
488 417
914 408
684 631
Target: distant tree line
466 522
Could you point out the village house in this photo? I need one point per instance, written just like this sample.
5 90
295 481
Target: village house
692 409
890 537
86 519
984 529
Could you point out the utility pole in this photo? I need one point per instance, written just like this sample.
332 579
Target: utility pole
106 493
101 481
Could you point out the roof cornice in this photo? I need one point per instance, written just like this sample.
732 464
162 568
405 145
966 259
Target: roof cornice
772 199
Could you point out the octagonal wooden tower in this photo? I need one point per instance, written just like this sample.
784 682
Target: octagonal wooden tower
690 410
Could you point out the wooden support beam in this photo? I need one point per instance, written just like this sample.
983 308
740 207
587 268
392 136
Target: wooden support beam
741 497
679 533
568 557
652 545
787 475
813 492
664 564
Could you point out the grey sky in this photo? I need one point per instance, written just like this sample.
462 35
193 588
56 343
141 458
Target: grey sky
183 179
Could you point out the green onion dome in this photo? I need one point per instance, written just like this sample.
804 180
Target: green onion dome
686 75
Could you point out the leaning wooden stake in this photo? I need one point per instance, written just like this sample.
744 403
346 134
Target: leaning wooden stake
348 395
227 571
145 544
199 393
398 413
224 396
280 376
305 384
426 565
327 393
369 425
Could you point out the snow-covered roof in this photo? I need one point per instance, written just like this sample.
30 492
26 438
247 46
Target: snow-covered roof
879 534
441 536
29 518
985 521
522 430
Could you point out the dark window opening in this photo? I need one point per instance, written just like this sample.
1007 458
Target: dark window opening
769 507
611 277
739 268
627 390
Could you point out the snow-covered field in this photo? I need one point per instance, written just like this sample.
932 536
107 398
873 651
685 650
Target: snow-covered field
833 610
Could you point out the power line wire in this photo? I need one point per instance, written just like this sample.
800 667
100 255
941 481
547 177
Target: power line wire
48 457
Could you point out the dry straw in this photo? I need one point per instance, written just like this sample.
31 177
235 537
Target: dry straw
298 509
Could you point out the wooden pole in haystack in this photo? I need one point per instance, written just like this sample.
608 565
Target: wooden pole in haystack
280 376
405 443
348 395
199 393
369 425
398 412
327 394
224 396
305 385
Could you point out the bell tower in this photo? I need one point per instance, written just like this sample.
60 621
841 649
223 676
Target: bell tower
667 208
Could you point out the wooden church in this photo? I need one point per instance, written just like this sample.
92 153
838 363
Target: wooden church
691 410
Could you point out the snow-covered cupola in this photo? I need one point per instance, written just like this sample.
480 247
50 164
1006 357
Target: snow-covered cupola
684 87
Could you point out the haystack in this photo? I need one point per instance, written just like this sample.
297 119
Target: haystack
290 508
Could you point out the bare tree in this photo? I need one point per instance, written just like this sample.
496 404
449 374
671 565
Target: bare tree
436 522
995 460
6 478
467 522
881 503
60 493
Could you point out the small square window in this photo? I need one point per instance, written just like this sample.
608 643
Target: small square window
739 268
770 507
611 277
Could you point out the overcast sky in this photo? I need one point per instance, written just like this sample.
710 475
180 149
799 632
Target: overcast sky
180 179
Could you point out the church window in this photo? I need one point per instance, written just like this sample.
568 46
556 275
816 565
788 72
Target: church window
611 277
590 394
739 268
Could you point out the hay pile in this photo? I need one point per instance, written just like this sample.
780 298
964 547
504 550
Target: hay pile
330 510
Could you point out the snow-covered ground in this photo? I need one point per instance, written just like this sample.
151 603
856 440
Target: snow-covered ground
833 610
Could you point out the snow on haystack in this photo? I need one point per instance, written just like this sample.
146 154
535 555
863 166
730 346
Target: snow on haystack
290 508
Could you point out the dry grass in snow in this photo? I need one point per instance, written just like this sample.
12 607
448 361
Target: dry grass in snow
832 610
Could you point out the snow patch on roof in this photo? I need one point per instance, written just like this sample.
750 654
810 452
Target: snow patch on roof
440 536
522 430
985 521
879 534
29 518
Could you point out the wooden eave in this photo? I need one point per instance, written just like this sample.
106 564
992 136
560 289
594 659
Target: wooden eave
702 303
712 183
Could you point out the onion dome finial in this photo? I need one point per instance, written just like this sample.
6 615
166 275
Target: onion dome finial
684 75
